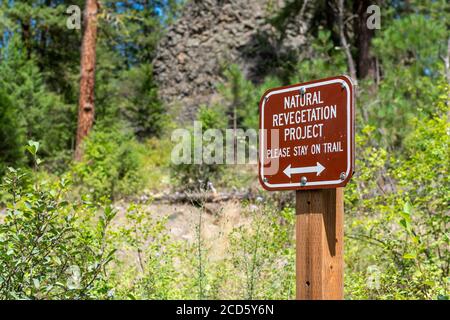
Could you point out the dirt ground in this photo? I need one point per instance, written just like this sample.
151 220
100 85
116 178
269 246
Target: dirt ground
218 221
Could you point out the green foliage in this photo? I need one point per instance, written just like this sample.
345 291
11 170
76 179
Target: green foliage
411 41
211 118
191 176
267 244
50 248
145 239
10 134
409 49
111 163
156 163
201 280
243 96
55 247
125 88
399 216
325 60
39 70
137 26
142 107
44 36
40 114
262 241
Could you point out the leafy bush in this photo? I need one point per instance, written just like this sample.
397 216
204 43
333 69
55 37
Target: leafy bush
197 176
409 50
399 216
325 60
156 163
144 241
49 248
262 241
40 114
142 107
242 95
10 135
111 162
257 249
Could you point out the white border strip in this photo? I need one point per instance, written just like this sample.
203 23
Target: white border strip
349 144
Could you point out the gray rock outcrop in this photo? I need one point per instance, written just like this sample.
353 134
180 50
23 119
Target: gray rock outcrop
208 36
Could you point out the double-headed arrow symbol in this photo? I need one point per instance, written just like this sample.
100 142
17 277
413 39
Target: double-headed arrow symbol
317 169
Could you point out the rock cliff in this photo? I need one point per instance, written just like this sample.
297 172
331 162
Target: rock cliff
211 34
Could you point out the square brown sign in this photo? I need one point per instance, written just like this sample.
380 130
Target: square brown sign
307 135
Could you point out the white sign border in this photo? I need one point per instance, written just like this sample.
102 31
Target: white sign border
349 138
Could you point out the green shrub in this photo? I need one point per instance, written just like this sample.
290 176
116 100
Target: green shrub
146 268
40 114
324 61
256 250
409 51
110 165
156 163
197 176
398 216
142 107
10 135
49 248
242 95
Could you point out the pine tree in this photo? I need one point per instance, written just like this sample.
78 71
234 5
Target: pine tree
11 137
87 81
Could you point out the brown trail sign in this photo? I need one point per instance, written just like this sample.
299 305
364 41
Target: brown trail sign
306 135
307 144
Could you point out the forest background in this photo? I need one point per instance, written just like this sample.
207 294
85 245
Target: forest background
104 214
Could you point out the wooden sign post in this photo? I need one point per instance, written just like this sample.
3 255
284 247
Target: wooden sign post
307 144
320 235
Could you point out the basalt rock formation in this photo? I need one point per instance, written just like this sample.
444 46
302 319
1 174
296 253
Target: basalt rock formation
211 34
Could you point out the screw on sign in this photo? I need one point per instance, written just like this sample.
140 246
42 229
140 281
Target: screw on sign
307 144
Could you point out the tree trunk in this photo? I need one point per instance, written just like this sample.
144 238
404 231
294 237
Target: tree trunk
364 35
330 18
87 80
343 38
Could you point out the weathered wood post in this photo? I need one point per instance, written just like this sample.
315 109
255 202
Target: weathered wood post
319 252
